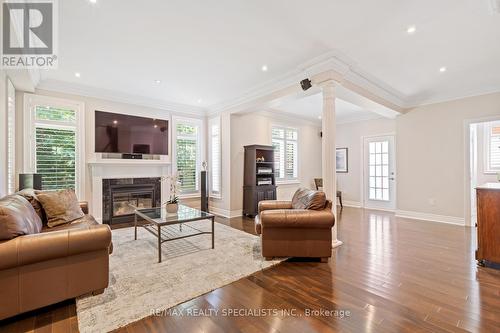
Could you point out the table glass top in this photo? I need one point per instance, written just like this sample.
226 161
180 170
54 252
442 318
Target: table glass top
159 215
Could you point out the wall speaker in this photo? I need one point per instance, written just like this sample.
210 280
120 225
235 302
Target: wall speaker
30 180
204 192
305 84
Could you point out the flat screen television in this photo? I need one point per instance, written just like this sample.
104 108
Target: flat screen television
124 134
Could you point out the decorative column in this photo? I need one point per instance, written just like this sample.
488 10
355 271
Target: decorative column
329 170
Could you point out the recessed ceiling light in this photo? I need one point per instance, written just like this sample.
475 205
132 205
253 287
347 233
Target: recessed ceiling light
264 68
411 29
443 69
115 122
157 81
77 74
199 101
93 1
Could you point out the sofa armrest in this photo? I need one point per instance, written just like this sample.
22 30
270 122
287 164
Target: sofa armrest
30 249
274 204
297 218
84 205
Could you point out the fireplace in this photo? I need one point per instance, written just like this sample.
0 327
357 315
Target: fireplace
120 194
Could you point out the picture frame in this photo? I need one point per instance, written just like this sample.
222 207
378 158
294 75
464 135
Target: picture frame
342 163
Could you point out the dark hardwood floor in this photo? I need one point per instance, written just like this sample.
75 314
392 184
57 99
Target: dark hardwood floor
391 275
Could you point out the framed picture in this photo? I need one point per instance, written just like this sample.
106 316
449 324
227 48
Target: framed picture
342 156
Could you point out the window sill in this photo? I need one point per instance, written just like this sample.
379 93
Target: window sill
190 195
491 172
215 196
287 182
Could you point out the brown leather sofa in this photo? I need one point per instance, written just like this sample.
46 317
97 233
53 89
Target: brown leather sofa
289 232
43 268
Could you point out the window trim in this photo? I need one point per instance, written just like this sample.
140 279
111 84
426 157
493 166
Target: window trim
211 122
486 143
294 180
11 137
29 154
200 150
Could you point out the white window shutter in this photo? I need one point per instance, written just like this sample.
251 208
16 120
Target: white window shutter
215 167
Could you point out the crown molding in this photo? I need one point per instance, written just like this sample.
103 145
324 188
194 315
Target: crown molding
339 69
115 96
418 102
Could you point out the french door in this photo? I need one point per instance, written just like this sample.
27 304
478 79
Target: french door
379 172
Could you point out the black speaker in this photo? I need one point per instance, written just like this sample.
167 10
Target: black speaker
30 180
305 84
204 192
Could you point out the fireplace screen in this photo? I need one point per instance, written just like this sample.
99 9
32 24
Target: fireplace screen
122 202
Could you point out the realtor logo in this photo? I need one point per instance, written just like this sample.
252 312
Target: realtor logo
29 36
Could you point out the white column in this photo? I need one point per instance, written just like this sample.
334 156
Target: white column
328 151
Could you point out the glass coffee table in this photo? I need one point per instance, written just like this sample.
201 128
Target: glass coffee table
168 227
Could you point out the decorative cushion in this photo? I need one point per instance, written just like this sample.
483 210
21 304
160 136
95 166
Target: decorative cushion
60 206
308 199
17 218
29 194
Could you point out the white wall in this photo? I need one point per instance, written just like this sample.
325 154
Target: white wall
91 104
431 155
3 133
255 128
351 135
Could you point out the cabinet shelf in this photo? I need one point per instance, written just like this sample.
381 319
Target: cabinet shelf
253 192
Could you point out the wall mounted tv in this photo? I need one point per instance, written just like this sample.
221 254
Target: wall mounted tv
124 134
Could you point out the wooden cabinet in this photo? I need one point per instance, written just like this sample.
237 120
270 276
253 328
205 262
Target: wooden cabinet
488 223
259 177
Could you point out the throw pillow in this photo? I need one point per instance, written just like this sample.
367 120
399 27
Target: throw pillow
308 199
60 206
17 218
29 194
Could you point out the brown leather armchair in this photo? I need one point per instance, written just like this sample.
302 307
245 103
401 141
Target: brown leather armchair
288 232
56 264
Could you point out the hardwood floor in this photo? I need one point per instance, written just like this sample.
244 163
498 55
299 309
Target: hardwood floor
390 275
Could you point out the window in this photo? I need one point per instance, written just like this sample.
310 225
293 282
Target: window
285 145
56 127
492 131
11 138
188 154
215 169
379 170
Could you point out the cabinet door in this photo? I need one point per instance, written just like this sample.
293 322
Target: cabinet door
270 194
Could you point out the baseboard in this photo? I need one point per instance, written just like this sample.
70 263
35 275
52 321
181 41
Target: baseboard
431 217
224 212
354 204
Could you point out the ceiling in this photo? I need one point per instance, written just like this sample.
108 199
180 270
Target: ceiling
311 108
206 54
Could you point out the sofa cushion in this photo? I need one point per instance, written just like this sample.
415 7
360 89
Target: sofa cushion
308 199
83 222
30 195
17 217
60 206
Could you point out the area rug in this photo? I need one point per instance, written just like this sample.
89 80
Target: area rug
139 284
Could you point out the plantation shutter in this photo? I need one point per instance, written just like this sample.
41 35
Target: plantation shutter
55 157
187 157
55 147
215 157
494 147
11 141
285 144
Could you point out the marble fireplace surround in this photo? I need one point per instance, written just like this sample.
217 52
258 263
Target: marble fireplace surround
114 169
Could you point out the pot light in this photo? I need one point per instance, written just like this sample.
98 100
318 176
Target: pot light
115 122
411 29
157 81
264 68
443 69
199 101
77 74
93 1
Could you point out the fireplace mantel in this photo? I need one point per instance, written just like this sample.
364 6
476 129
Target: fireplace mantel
113 169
